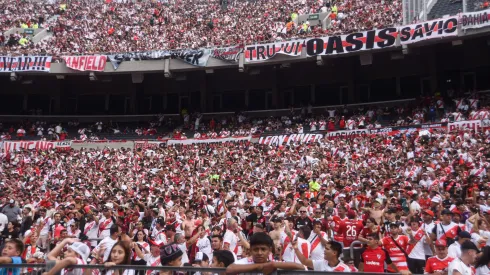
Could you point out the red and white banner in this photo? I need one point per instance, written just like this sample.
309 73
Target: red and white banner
11 146
474 125
208 140
147 144
261 52
25 64
444 27
95 63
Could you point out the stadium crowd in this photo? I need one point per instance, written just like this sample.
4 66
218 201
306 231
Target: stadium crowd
123 26
417 201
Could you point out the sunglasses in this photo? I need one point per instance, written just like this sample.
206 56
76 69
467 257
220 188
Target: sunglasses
302 211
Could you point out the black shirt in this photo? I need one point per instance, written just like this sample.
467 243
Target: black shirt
303 222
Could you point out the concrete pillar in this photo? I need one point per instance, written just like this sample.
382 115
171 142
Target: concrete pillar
398 86
312 93
24 102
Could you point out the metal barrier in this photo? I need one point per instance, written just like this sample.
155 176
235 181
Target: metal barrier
46 267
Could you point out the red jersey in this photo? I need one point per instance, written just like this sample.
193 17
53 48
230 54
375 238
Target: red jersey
374 259
397 256
435 264
350 230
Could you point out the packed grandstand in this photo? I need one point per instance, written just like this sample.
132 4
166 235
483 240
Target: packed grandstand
399 186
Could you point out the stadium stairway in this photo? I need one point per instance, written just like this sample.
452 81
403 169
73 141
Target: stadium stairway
449 7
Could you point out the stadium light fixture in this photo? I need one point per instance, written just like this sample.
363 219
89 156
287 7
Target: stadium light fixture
92 76
457 42
13 77
319 61
137 77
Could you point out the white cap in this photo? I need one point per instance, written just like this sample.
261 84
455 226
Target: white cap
11 201
81 249
436 199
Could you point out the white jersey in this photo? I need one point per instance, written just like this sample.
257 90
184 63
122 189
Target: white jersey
74 271
322 265
204 245
152 261
483 270
459 266
91 230
231 239
428 229
105 227
317 248
47 223
288 254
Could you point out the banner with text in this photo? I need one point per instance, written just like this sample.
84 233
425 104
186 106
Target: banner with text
474 125
95 63
10 64
11 146
149 144
209 140
261 52
475 20
231 54
194 57
440 28
354 42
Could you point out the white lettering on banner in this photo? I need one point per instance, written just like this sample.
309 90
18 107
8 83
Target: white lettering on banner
474 20
25 63
348 134
474 125
288 139
211 140
147 144
444 27
263 52
10 146
86 62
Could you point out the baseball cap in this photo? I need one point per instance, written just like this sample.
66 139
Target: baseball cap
428 212
446 212
464 234
441 242
81 249
11 201
169 253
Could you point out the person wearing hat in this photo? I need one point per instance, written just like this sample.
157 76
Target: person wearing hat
446 229
106 222
170 255
158 236
201 260
3 221
397 246
462 264
76 254
438 264
454 249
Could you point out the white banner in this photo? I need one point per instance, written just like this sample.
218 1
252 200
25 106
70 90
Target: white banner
261 52
444 27
474 125
210 140
11 146
25 64
475 20
82 63
348 133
